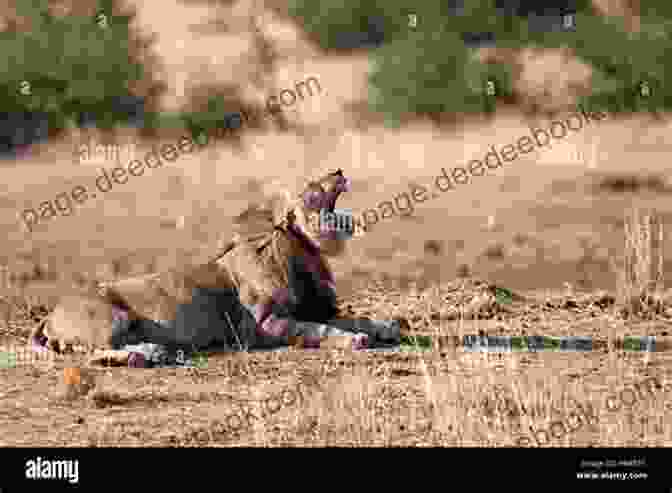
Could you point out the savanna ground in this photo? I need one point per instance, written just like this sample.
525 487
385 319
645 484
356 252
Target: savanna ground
551 226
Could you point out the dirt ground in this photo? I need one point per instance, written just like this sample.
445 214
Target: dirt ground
551 226
442 396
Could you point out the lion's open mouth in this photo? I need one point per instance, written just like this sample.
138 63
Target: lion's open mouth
322 199
326 197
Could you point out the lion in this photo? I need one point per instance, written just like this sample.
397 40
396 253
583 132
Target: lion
275 266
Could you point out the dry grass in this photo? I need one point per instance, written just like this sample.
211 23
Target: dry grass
641 280
436 396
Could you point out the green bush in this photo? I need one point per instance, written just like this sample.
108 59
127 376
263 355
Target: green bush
655 9
622 62
330 21
433 75
71 64
428 69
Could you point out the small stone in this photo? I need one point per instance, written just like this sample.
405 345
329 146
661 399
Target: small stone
77 382
71 376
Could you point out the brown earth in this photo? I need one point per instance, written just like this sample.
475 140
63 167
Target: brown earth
548 225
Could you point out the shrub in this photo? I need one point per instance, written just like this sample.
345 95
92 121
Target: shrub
427 69
68 69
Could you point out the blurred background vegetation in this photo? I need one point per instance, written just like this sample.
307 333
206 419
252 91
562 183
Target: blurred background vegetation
427 68
73 65
80 72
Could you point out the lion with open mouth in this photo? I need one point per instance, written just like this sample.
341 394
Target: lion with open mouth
271 285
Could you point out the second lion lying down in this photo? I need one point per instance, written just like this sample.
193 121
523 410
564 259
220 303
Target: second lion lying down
270 286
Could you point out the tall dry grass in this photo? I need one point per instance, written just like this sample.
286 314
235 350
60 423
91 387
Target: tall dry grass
641 279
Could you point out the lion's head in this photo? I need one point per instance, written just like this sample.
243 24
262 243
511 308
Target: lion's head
304 210
317 201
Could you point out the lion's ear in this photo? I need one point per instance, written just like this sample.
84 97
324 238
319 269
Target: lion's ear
282 205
